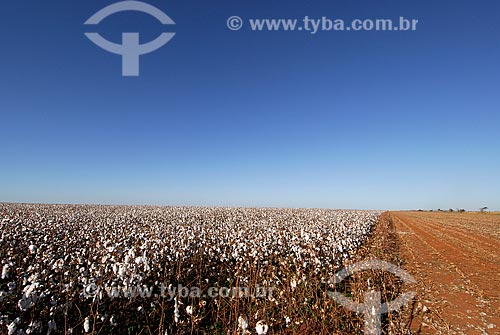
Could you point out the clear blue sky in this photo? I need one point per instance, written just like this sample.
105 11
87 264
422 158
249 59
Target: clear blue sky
339 119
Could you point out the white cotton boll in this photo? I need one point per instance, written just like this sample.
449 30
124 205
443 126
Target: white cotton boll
177 315
5 271
34 327
261 328
189 310
28 290
33 278
11 328
86 325
122 271
58 264
242 323
112 321
293 283
32 249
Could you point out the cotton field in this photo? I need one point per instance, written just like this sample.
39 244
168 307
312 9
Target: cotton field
59 264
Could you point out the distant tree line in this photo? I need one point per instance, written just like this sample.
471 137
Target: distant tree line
451 210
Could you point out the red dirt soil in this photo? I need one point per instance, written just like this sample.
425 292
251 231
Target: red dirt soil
455 257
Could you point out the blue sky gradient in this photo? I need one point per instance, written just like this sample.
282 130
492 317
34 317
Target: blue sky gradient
375 120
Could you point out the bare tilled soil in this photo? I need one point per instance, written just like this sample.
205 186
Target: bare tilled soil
455 257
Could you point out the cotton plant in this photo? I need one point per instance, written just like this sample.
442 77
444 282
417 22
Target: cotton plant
5 271
261 327
61 250
86 325
243 324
